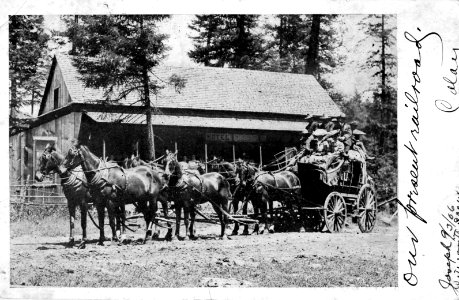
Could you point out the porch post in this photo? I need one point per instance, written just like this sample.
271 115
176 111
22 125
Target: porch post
137 148
34 159
205 155
234 153
175 146
103 149
261 156
285 154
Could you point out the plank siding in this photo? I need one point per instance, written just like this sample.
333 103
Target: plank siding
57 82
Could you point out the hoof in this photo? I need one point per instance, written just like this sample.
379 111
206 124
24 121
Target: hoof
100 243
82 245
234 233
168 237
193 237
224 237
174 238
71 243
185 238
155 236
245 232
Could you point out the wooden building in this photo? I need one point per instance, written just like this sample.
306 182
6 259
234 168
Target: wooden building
220 111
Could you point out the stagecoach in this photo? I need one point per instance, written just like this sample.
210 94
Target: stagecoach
335 191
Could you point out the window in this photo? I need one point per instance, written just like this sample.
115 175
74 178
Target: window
56 98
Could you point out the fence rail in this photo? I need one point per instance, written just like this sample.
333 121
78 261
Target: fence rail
37 193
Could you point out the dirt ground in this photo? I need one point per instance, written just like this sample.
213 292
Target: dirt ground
293 259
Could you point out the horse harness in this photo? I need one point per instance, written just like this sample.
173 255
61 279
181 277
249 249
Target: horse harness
101 178
74 180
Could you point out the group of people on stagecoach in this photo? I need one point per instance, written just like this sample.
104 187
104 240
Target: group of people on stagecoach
326 138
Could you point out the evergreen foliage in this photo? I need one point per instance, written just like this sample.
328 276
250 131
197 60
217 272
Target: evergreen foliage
119 53
27 66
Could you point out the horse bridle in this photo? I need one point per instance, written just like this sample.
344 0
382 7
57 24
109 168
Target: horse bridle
48 156
75 153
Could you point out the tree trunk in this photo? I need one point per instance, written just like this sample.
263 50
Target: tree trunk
241 47
384 104
313 50
150 155
150 135
281 37
209 37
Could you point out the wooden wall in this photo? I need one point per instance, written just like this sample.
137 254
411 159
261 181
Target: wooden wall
22 153
56 82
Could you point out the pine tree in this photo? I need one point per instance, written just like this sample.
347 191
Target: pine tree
381 125
381 61
27 64
286 50
226 40
118 53
209 29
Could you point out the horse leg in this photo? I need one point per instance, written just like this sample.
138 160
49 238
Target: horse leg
235 209
186 220
222 221
178 212
111 218
71 207
101 216
264 212
244 212
142 207
123 222
166 213
153 210
271 214
256 211
118 221
193 217
224 206
84 215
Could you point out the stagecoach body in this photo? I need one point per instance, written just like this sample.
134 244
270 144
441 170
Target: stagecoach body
330 195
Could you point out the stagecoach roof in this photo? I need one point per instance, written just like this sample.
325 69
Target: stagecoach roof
220 89
195 121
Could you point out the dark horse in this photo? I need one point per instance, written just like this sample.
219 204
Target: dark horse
245 174
188 189
268 187
73 183
113 186
136 161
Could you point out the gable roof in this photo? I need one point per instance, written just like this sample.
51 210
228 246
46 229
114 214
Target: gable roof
220 89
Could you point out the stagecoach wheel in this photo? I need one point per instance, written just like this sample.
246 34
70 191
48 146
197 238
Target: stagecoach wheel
334 212
366 205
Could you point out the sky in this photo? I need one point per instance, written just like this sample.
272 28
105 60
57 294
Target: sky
347 79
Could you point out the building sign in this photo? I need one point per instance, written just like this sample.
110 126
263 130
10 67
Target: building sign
236 138
245 138
219 137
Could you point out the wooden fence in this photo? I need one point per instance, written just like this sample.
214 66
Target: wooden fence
37 193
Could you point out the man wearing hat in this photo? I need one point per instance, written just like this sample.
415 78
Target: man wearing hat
346 137
358 144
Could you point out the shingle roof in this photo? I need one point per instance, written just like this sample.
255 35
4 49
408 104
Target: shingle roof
194 121
226 89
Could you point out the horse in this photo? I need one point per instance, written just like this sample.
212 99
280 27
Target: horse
225 168
268 187
136 161
114 186
245 174
74 185
188 189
